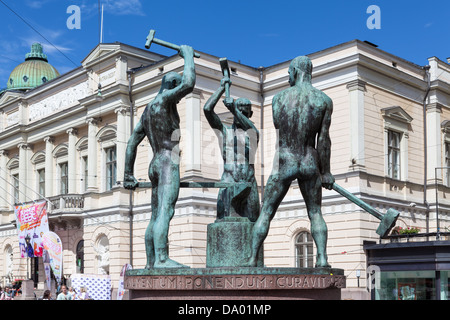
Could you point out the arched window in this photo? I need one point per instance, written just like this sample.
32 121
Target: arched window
304 250
60 153
107 137
13 167
38 160
80 257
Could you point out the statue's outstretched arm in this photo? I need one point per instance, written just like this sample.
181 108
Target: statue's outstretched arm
137 136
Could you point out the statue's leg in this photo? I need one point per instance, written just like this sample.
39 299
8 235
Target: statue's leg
149 244
311 189
251 206
168 189
222 203
275 190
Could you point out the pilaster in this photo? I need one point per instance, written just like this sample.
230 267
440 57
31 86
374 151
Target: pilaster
356 91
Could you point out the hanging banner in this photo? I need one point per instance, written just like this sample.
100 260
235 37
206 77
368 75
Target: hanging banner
46 261
121 288
32 223
53 245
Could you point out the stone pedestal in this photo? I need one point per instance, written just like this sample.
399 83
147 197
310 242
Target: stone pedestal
27 290
228 243
235 284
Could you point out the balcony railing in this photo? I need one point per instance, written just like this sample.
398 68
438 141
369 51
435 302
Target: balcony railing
66 202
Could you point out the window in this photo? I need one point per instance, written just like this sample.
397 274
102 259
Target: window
82 148
80 257
447 164
111 167
397 126
41 182
85 171
63 178
38 160
13 181
107 139
394 154
304 250
15 178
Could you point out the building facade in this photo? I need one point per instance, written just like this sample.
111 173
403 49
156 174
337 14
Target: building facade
65 140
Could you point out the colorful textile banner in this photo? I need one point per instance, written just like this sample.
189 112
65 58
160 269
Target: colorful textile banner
32 223
46 261
121 288
53 245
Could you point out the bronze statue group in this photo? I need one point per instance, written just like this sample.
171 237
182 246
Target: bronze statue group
302 116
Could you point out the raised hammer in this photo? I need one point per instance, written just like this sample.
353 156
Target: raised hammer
226 72
151 39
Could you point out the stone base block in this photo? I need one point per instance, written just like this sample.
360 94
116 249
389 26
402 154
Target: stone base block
228 243
235 284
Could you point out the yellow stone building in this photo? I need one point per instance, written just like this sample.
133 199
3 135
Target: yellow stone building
64 140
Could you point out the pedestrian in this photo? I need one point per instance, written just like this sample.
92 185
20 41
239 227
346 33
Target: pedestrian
72 293
47 295
83 294
8 294
64 295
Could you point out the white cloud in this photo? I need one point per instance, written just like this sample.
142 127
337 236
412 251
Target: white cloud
36 4
115 7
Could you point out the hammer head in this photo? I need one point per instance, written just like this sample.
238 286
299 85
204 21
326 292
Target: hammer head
387 222
224 65
150 37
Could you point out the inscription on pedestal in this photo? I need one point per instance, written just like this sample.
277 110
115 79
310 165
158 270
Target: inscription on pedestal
234 282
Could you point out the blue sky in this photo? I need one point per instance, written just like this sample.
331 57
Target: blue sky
256 33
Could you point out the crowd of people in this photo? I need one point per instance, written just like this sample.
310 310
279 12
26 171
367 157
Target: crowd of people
12 291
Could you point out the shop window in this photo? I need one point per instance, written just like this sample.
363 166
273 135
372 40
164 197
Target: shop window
406 285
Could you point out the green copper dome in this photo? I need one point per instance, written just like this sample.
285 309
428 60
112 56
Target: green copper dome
33 72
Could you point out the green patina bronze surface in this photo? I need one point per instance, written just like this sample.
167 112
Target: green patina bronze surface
302 116
238 144
34 72
229 237
158 123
